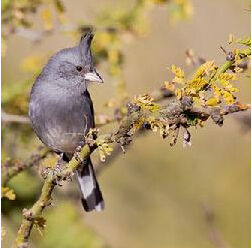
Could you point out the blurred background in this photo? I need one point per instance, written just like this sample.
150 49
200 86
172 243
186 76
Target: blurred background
156 195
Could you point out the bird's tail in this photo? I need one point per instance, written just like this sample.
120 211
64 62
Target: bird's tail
91 196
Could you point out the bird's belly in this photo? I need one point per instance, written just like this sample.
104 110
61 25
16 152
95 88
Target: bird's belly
62 129
60 122
62 140
65 131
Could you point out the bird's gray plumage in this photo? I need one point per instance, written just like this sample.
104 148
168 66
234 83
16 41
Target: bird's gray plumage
61 110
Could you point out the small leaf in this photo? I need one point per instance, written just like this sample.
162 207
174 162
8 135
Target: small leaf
228 97
227 76
7 193
178 80
146 102
178 93
177 71
230 38
212 102
244 41
228 86
103 148
204 69
179 74
216 90
245 52
195 85
169 86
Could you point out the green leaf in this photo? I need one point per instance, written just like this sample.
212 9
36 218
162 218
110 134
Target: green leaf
244 41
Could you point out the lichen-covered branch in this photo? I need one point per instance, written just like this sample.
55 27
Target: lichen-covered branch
12 167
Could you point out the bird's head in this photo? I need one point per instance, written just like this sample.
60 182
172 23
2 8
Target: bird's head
74 66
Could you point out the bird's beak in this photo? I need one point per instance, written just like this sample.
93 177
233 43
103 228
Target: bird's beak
93 77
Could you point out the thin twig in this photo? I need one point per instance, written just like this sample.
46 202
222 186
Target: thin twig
11 118
12 167
214 233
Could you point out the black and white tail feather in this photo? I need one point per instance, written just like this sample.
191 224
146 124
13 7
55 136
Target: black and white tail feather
91 196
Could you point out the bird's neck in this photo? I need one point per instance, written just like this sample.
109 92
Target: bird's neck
86 93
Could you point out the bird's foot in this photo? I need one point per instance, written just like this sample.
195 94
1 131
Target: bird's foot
58 169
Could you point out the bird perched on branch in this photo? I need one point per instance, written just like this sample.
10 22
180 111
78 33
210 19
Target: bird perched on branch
61 110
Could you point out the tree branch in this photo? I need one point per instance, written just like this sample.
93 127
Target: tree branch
214 234
174 114
12 167
10 118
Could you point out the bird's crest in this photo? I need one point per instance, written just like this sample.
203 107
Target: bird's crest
86 55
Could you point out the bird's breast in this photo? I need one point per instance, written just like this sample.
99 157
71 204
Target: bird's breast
61 120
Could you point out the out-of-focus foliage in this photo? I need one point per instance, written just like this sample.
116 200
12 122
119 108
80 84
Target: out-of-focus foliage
7 193
3 232
65 228
33 63
16 14
180 10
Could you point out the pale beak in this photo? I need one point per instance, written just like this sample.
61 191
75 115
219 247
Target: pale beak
93 77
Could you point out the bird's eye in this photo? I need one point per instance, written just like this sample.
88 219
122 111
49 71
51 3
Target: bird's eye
78 68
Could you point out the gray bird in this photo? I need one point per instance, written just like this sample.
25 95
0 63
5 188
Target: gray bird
61 110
